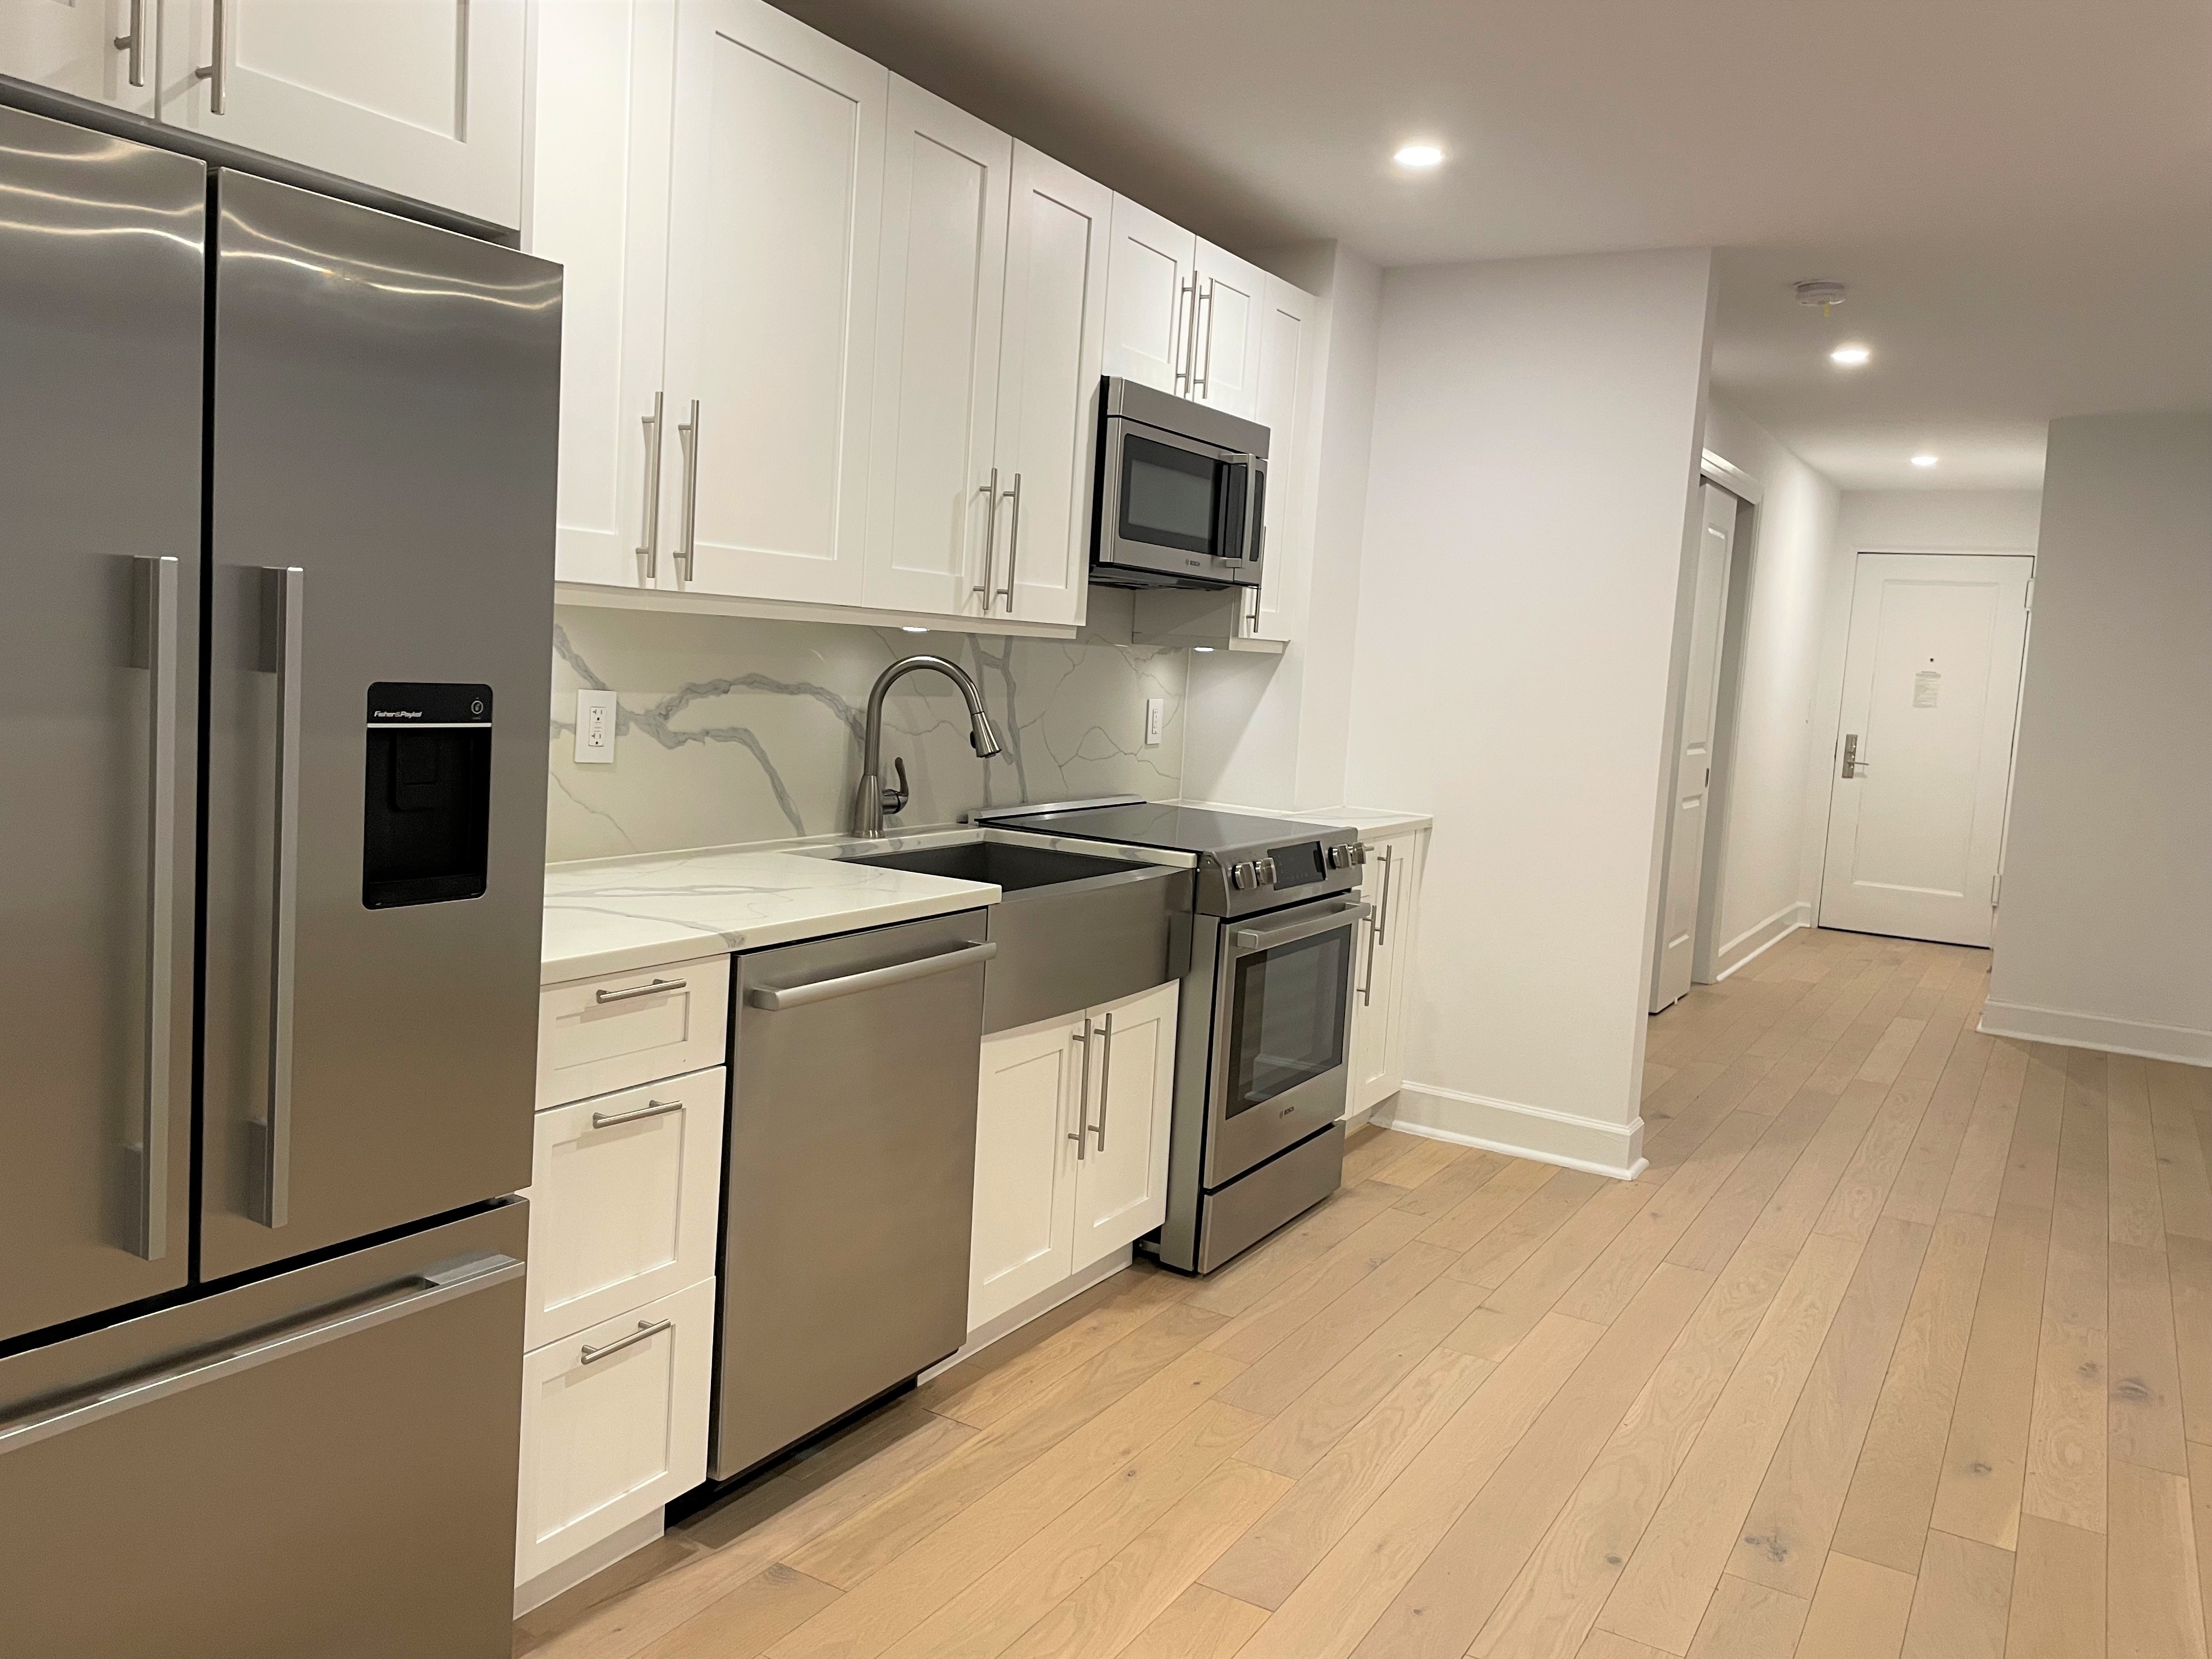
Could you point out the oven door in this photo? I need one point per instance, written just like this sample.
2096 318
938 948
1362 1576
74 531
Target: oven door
1179 508
1282 1019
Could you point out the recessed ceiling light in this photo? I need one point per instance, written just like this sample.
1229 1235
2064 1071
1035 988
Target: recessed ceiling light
1923 461
1850 356
903 629
1419 155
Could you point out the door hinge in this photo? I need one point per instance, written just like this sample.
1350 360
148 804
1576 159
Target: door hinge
1994 880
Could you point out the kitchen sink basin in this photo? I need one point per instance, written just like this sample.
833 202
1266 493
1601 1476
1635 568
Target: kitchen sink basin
1012 868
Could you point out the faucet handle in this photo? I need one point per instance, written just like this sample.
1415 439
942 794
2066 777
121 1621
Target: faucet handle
896 797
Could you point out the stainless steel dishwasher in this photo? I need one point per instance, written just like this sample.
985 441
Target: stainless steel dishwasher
852 1173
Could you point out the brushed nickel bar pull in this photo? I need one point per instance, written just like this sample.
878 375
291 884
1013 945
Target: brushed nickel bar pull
603 995
649 549
651 1108
135 44
989 492
1202 367
646 1330
1105 1081
284 614
213 73
158 654
1014 538
1083 1093
1382 910
688 435
1187 319
1367 989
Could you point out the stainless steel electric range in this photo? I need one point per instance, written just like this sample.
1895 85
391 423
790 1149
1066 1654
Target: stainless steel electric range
1262 1067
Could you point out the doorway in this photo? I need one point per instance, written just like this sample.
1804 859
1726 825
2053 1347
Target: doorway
1923 765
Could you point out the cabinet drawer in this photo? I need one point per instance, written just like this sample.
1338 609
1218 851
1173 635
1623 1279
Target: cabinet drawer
595 1036
623 1192
614 1424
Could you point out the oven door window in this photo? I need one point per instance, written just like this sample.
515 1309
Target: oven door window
1286 1022
1170 496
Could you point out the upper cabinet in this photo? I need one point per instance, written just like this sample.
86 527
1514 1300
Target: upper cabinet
1289 358
103 49
1225 365
1150 297
776 216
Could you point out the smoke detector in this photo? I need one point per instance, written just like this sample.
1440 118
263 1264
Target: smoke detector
1825 294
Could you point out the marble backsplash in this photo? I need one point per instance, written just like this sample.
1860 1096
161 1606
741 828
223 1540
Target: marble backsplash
731 730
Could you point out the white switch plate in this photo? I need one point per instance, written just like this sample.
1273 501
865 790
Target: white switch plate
595 727
1156 720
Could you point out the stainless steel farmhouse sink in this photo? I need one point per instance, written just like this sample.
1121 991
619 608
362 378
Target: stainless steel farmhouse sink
1074 929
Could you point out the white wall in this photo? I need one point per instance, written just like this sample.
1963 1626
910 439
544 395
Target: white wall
1537 425
2104 931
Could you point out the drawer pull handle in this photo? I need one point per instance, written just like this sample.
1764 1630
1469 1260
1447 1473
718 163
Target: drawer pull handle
652 989
651 1108
645 1329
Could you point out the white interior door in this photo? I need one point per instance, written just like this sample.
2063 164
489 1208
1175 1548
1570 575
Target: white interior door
1122 1177
1923 759
1027 1108
1149 297
73 48
605 79
422 97
1698 641
775 209
941 296
1048 369
1232 314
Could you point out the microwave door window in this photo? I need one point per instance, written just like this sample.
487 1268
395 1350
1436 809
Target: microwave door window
1167 496
1287 1024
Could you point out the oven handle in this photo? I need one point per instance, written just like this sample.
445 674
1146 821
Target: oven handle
1252 938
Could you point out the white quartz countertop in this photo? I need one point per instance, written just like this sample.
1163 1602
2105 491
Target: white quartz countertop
618 916
1368 820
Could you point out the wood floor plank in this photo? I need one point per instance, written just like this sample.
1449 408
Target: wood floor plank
1328 1613
2184 1192
1478 1214
1277 1378
1371 1150
1009 1373
1962 1604
1452 1186
1662 1591
1859 1611
1746 1620
2138 1211
1979 1174
1985 1456
2200 1499
1200 1624
1782 1543
2189 1273
1500 1254
1918 1193
2155 1602
1604 1644
1273 1558
1296 1302
1713 1236
1863 1191
1511 1309
2144 1399
2065 1478
1231 1290
744 1621
2057 1593
1429 1158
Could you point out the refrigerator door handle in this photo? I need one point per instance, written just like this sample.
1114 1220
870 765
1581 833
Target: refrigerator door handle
282 613
416 1295
157 654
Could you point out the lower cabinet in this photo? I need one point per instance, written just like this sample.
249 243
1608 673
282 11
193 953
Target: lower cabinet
614 1424
1070 1145
1393 886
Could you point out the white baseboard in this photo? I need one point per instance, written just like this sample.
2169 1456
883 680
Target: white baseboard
991 1330
1761 937
2114 1037
567 1575
1506 1125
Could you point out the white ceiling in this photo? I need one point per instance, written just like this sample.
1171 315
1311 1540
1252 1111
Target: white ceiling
2018 192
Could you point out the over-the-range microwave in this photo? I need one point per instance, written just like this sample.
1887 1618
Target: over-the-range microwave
1182 492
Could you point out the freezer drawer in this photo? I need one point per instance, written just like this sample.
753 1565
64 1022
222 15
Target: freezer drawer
852 1173
318 1464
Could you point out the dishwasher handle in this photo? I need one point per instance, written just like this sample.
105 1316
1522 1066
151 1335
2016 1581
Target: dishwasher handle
775 998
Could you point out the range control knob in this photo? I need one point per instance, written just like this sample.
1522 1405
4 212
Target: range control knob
1356 852
1266 868
1241 876
1339 857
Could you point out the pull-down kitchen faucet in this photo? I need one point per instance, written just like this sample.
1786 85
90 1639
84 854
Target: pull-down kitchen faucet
874 799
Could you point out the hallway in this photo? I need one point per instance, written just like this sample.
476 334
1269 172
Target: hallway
1902 1345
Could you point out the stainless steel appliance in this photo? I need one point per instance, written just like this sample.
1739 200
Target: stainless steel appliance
278 475
1262 1070
852 1176
1182 492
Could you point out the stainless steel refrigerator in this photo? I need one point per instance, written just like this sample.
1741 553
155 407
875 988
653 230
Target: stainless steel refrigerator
277 484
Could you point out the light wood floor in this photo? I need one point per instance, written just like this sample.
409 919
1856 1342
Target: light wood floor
1902 1346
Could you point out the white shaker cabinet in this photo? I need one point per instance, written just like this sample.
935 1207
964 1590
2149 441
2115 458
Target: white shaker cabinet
103 49
1049 362
1150 297
1071 1147
605 73
775 210
423 99
1288 395
1224 359
1393 887
934 502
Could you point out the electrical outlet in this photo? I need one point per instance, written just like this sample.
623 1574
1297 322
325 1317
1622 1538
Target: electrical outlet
1156 720
595 727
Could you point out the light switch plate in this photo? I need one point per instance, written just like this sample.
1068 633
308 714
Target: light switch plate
1156 720
595 727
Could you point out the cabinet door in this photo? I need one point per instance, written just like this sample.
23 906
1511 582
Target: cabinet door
604 79
72 48
1288 368
1122 1179
1224 367
1150 291
1049 365
775 207
614 1424
941 288
424 99
1026 1113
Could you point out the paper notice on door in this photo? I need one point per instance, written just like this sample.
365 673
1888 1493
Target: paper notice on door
1926 684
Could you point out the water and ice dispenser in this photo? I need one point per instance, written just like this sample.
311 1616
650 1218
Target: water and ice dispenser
426 806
